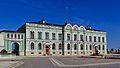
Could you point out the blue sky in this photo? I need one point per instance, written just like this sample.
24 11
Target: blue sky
100 14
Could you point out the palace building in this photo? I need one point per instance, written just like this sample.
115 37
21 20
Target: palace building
41 38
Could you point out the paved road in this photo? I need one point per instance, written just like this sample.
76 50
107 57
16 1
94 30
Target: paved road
5 64
60 62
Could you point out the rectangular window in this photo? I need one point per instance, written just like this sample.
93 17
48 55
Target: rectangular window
75 37
53 36
68 36
31 34
81 38
98 39
15 36
7 35
46 35
86 38
11 36
39 35
60 36
21 36
94 39
103 39
18 36
90 38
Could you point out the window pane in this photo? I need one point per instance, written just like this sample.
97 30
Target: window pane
81 38
94 39
31 34
60 46
75 37
90 47
90 38
98 39
75 47
39 46
81 47
18 36
53 36
32 46
39 35
103 40
7 35
46 35
68 46
68 36
60 36
53 46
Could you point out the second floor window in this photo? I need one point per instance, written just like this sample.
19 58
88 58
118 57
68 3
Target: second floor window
60 36
94 39
39 35
86 38
53 36
81 38
7 35
90 38
15 35
21 36
11 36
68 36
75 37
46 35
31 34
103 39
98 39
18 36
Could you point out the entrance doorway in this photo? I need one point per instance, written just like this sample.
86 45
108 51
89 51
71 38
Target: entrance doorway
96 50
15 48
47 50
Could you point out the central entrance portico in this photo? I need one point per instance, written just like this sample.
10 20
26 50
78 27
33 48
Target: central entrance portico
46 48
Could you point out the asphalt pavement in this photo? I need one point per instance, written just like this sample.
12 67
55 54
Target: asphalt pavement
68 62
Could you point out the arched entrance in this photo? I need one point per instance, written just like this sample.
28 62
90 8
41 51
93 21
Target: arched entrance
96 50
47 50
15 48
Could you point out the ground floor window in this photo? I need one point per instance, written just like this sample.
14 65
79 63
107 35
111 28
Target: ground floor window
75 47
60 46
68 46
81 47
53 46
32 46
39 46
90 47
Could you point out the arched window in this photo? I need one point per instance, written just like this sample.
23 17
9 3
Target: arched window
68 46
90 47
60 46
32 46
53 46
99 47
103 48
75 47
39 46
81 47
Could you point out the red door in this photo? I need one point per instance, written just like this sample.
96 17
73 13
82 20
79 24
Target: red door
47 51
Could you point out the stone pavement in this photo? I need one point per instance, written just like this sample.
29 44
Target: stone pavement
5 64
